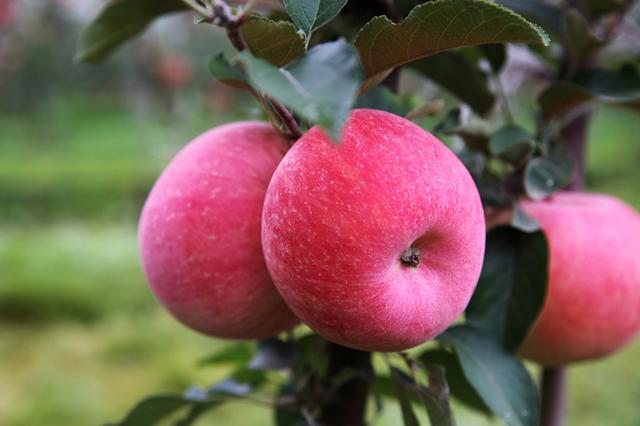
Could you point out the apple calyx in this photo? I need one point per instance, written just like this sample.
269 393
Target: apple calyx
410 257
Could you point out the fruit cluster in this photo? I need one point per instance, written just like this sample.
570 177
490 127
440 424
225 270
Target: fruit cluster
375 243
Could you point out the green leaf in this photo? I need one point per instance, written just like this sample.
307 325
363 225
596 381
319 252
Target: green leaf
597 8
402 382
436 26
458 75
620 86
119 21
153 409
288 414
512 286
546 175
321 86
308 15
509 137
238 353
459 386
226 73
276 42
381 98
546 15
581 42
512 143
498 376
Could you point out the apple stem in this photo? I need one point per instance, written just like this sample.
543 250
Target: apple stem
347 405
574 136
411 257
553 396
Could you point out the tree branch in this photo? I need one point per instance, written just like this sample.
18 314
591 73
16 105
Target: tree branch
553 393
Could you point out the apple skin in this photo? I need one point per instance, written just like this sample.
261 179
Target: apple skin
593 298
337 219
199 234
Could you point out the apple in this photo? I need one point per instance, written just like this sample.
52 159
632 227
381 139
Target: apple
377 242
593 298
199 234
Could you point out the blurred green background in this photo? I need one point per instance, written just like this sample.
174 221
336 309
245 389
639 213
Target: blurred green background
81 337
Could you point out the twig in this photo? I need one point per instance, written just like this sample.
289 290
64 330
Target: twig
197 7
553 393
224 17
287 119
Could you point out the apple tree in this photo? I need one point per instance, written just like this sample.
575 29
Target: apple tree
517 81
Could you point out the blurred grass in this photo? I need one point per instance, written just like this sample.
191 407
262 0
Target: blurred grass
82 338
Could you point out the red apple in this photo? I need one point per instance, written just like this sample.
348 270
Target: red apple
376 243
200 234
593 299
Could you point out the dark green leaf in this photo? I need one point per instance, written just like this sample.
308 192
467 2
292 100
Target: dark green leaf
612 86
321 86
402 382
546 175
512 143
238 353
276 42
193 414
274 354
563 96
619 86
581 42
309 15
153 409
381 98
497 375
496 54
546 15
313 349
597 8
459 386
512 285
436 26
226 73
119 21
455 73
288 414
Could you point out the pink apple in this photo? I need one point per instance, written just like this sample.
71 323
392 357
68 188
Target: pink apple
376 243
200 234
593 298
